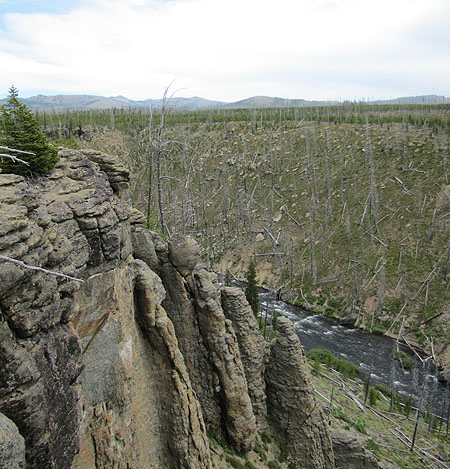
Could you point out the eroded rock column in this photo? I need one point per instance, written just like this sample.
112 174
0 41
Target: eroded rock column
291 403
185 430
224 394
252 346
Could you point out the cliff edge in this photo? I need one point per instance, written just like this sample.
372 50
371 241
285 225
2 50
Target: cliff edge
122 350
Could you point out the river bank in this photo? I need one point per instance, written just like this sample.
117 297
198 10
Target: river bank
373 353
409 326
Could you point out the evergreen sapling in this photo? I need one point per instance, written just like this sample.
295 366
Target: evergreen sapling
19 130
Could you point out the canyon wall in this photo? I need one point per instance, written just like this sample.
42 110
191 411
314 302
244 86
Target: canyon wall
133 353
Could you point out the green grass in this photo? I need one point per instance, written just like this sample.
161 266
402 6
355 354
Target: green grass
261 451
374 448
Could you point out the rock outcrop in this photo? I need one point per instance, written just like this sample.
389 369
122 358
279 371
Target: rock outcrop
208 342
180 308
350 453
12 446
252 346
221 342
122 350
91 371
288 385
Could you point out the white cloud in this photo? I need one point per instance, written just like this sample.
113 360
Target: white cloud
231 49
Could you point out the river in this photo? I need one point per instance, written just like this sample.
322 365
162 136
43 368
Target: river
370 352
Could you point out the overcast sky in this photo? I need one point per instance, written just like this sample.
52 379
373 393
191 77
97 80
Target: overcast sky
226 49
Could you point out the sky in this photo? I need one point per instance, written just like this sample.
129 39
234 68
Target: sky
226 50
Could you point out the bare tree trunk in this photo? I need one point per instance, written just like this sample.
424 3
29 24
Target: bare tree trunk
150 171
381 286
160 203
159 151
291 266
374 200
448 416
341 177
272 180
413 440
311 256
422 402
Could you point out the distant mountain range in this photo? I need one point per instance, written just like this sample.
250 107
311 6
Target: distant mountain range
86 102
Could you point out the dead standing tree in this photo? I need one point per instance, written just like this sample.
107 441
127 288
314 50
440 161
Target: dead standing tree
159 145
159 148
150 169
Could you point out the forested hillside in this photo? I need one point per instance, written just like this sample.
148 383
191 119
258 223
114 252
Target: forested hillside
345 207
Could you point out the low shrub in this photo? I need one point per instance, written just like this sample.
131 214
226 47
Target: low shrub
322 356
273 465
358 424
341 415
374 395
348 369
234 462
404 359
384 389
333 303
321 300
260 451
316 367
372 446
284 452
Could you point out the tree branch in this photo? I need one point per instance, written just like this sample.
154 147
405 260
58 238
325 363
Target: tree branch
40 269
14 158
16 151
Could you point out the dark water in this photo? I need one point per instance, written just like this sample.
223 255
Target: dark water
370 352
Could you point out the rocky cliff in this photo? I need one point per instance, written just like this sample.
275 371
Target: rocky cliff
133 355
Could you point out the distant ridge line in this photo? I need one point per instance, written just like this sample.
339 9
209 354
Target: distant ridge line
93 102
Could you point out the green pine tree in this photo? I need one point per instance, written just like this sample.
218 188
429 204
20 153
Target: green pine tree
228 279
251 290
20 131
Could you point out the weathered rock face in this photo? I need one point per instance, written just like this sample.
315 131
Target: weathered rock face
131 366
187 442
135 406
180 308
12 446
288 385
252 347
220 339
42 225
208 343
144 248
38 392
